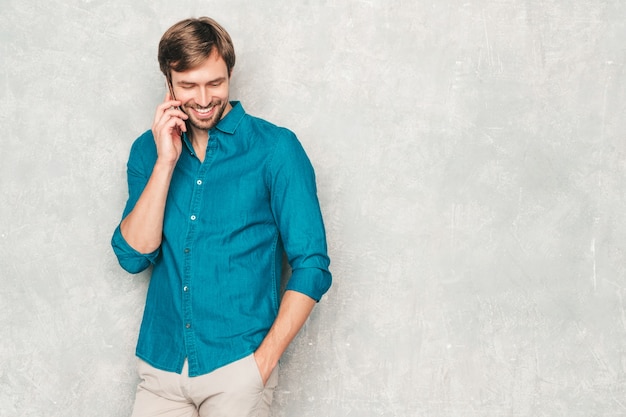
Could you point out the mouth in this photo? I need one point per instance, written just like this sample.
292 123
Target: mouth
204 112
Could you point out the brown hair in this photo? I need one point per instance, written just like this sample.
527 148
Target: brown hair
189 42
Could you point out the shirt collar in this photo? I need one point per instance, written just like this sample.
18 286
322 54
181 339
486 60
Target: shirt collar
233 118
228 124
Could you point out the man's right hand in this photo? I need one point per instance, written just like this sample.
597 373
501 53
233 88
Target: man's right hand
143 227
167 128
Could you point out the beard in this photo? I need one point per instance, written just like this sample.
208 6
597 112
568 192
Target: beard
205 124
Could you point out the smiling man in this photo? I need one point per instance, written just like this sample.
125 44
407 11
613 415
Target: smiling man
216 197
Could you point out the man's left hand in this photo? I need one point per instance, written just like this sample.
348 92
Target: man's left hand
265 368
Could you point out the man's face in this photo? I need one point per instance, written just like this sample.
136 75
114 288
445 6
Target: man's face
203 91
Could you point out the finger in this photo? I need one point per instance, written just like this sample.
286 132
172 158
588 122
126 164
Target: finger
172 123
169 99
164 114
176 129
182 126
175 112
166 105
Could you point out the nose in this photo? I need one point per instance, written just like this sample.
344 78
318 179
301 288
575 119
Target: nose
204 98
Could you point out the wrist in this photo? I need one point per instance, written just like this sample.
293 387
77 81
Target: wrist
164 163
265 365
264 360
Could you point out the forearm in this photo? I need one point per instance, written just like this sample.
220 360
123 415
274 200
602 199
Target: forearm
294 310
143 227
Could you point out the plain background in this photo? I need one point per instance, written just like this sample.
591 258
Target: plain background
470 158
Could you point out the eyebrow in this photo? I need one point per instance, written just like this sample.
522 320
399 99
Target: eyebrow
183 82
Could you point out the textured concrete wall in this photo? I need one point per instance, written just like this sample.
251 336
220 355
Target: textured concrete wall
471 163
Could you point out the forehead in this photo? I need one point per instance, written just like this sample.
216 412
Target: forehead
212 67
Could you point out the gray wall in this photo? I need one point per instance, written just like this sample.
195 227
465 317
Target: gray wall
471 165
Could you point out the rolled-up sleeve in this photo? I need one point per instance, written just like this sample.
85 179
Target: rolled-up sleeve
297 212
139 168
129 259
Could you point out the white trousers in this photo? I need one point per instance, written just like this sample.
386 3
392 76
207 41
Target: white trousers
234 390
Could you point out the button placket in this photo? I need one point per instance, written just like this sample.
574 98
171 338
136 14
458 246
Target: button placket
187 278
198 188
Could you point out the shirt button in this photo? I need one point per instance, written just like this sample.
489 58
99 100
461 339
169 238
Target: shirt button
185 288
188 325
193 217
199 182
186 250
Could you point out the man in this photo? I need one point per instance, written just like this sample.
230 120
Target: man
216 197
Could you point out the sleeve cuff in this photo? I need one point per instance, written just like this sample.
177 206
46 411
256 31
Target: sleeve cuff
313 282
130 259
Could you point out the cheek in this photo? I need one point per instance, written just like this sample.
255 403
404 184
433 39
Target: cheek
223 92
184 97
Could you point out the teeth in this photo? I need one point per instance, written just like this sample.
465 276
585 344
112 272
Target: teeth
206 110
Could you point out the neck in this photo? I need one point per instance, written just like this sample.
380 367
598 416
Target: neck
199 136
199 141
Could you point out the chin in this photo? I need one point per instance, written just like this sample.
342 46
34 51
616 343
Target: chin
206 124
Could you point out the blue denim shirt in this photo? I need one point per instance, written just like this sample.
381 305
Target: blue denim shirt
214 289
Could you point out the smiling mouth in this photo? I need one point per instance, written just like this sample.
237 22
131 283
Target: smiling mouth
204 110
